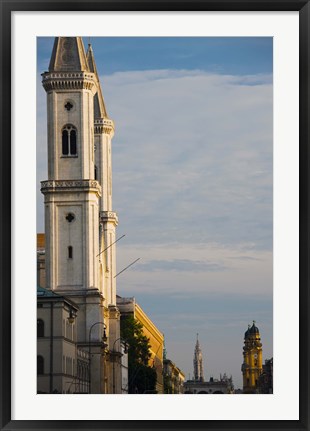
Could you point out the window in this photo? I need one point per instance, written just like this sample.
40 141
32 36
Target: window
70 217
40 365
69 147
68 106
40 328
70 252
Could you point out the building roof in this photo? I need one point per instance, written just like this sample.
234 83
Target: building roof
50 295
99 105
252 330
68 55
46 293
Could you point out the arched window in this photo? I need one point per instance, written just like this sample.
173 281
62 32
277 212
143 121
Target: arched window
40 328
40 365
69 145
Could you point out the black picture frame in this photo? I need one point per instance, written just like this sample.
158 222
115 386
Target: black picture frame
7 7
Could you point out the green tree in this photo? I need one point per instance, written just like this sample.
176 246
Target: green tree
141 377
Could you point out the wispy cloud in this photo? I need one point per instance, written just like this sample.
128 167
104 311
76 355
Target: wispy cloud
179 265
192 149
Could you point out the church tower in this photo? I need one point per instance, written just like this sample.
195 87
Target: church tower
103 134
79 222
252 366
198 365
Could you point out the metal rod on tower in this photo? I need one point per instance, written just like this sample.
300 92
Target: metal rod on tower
127 267
110 245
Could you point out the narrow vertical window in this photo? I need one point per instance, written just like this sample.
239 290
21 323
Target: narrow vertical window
69 141
96 175
40 365
65 146
73 142
70 252
40 328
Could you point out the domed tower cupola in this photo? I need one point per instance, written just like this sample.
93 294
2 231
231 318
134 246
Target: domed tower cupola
252 365
254 329
247 333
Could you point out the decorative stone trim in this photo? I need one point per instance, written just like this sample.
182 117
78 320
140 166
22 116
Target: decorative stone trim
106 216
114 312
69 81
70 185
104 125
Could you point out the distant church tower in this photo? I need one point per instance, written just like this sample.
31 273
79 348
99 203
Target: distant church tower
252 366
79 221
198 365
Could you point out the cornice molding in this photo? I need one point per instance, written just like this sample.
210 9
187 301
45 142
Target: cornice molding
70 185
69 81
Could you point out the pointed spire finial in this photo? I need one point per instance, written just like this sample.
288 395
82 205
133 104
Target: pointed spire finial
198 365
99 105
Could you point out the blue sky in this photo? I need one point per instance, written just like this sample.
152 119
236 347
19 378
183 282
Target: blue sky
192 185
229 55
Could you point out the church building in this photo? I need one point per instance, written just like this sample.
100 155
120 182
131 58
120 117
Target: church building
198 385
252 366
198 365
80 224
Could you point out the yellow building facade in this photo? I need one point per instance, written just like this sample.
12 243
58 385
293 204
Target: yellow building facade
128 306
173 378
252 366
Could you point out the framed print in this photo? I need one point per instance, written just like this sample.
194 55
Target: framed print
190 276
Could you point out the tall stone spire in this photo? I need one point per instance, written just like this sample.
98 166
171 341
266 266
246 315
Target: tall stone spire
68 55
100 111
198 365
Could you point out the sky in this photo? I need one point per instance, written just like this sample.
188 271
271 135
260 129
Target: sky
192 163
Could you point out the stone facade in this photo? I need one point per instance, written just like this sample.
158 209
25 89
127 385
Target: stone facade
173 378
223 385
61 366
265 380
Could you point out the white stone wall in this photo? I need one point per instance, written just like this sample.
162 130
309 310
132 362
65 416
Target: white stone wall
81 117
110 256
104 169
80 271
